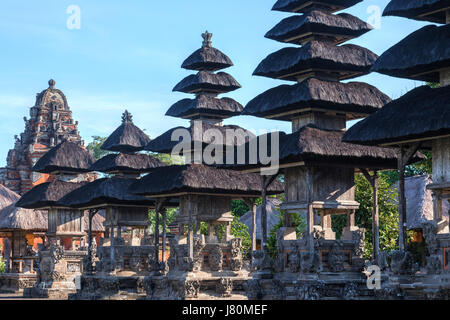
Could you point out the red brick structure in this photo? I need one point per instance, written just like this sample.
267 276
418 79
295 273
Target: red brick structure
50 123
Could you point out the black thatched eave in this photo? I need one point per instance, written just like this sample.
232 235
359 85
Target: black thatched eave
425 10
204 105
164 143
201 179
105 192
207 59
205 81
127 138
127 163
284 102
7 197
47 195
13 218
344 62
67 157
318 23
419 56
420 114
302 6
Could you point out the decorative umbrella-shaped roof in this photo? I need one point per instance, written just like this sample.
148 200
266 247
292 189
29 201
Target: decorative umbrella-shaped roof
205 81
127 138
47 194
7 196
105 192
422 112
201 179
357 99
427 10
318 24
319 57
303 6
67 157
419 56
129 163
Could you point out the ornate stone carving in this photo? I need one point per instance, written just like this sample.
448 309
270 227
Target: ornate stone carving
308 292
402 263
110 285
336 257
254 289
198 253
430 236
350 291
310 262
358 236
216 258
293 264
224 287
236 262
191 288
434 264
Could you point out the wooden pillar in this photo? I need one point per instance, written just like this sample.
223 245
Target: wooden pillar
90 258
437 205
190 239
405 154
251 204
111 241
158 208
265 183
374 182
164 235
310 209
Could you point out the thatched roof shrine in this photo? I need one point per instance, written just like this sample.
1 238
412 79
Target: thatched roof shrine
67 157
204 105
303 6
105 192
127 138
205 81
427 10
419 56
340 62
47 194
356 99
7 197
201 179
423 112
207 59
126 163
317 24
14 218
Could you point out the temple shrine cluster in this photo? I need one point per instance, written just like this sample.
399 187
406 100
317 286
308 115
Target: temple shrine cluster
75 227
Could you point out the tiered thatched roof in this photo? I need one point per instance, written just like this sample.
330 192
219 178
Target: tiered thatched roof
207 59
47 194
419 56
205 105
357 99
302 6
66 157
427 10
7 196
127 138
164 143
104 192
13 218
343 62
318 24
128 163
422 112
205 81
201 179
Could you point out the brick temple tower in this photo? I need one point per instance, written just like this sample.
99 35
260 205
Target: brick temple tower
50 123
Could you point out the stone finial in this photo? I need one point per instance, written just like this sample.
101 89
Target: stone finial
127 117
51 83
207 39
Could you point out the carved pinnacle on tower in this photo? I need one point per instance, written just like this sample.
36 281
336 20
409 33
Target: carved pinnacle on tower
207 39
127 117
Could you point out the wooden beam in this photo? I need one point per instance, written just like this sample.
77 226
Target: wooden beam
159 208
374 182
266 181
251 204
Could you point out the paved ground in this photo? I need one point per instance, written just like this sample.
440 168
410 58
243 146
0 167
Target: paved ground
14 296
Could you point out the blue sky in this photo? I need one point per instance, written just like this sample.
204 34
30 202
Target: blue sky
127 54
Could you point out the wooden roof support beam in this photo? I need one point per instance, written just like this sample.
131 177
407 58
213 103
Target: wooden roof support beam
90 267
373 180
251 204
159 208
266 181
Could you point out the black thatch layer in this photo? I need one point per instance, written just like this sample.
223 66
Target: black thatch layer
66 157
207 82
354 97
317 147
164 143
346 61
47 194
207 59
127 163
107 191
421 113
302 6
204 105
13 218
418 56
127 138
427 10
339 28
7 196
198 178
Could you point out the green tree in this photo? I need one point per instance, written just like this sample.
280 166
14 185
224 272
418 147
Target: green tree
95 147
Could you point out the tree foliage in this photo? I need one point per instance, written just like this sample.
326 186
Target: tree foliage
95 147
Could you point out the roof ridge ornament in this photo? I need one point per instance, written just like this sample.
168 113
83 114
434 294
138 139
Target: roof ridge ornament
207 36
127 117
51 83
